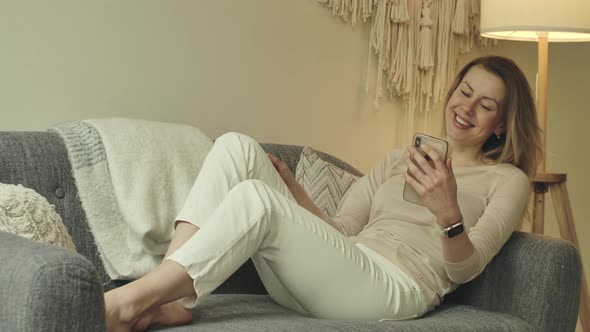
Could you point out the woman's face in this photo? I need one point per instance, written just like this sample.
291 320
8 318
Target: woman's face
472 113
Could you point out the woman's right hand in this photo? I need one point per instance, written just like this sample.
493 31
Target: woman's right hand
282 169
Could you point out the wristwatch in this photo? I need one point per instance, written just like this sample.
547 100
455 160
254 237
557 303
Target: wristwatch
453 230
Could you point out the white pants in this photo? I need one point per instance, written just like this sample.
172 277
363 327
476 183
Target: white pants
244 209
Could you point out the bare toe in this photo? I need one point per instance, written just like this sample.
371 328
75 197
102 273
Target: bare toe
145 320
170 314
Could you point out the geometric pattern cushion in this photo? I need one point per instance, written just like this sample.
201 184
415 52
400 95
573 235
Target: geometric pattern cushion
323 182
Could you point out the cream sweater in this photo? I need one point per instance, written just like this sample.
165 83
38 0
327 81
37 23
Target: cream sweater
492 199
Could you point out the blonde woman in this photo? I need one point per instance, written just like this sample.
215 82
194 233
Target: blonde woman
379 256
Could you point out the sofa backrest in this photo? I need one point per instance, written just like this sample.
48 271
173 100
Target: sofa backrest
39 160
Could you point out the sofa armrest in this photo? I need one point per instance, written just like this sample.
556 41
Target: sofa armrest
533 277
46 288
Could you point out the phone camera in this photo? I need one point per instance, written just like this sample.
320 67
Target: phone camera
417 142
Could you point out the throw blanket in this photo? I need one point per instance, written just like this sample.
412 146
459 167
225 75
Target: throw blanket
133 177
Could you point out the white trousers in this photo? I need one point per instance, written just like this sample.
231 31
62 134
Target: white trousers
244 210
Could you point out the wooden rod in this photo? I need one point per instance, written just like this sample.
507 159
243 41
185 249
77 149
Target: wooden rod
542 89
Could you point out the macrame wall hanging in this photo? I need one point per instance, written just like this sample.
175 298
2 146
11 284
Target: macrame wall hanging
417 44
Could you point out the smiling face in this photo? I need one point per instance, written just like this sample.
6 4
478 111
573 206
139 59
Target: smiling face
473 112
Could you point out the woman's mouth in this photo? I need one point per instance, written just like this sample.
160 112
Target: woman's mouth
460 122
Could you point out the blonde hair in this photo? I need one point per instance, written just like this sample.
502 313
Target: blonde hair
520 143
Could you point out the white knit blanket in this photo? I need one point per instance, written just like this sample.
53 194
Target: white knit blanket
133 177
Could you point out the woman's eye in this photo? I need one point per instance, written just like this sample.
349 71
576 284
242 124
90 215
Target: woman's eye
465 93
487 108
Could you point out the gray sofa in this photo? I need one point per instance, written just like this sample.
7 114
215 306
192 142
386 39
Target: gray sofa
533 284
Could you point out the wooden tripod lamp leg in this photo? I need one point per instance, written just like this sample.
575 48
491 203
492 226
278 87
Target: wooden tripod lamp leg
567 229
539 207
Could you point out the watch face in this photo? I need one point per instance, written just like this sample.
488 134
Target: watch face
455 231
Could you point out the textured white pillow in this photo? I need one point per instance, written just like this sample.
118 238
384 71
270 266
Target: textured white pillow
26 213
323 182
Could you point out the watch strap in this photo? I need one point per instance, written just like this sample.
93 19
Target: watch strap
453 230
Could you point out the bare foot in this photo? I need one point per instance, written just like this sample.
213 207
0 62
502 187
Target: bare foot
170 314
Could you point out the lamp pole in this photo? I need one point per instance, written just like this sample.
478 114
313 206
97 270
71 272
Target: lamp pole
542 89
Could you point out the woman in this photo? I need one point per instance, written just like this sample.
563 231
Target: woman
380 257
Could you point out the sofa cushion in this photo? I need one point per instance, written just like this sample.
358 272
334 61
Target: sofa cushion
25 213
324 182
260 313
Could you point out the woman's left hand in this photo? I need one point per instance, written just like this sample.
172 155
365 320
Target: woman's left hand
436 185
282 169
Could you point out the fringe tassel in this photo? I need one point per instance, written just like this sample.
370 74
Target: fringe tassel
461 17
425 57
399 11
417 45
351 11
377 41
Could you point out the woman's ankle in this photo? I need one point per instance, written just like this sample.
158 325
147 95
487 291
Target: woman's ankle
125 303
168 282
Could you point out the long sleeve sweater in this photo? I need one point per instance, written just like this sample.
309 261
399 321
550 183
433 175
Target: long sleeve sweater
492 199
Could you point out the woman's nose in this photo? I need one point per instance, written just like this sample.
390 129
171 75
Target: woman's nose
469 106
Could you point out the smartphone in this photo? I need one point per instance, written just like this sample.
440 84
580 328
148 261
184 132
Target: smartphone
440 146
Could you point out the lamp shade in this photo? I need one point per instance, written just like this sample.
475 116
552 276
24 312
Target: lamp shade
559 20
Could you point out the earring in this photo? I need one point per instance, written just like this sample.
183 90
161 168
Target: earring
498 136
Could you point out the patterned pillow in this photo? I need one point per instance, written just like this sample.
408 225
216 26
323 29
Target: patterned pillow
26 213
323 182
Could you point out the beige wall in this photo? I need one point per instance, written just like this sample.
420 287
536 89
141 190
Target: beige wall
280 71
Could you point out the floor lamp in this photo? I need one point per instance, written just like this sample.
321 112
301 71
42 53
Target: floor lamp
544 21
